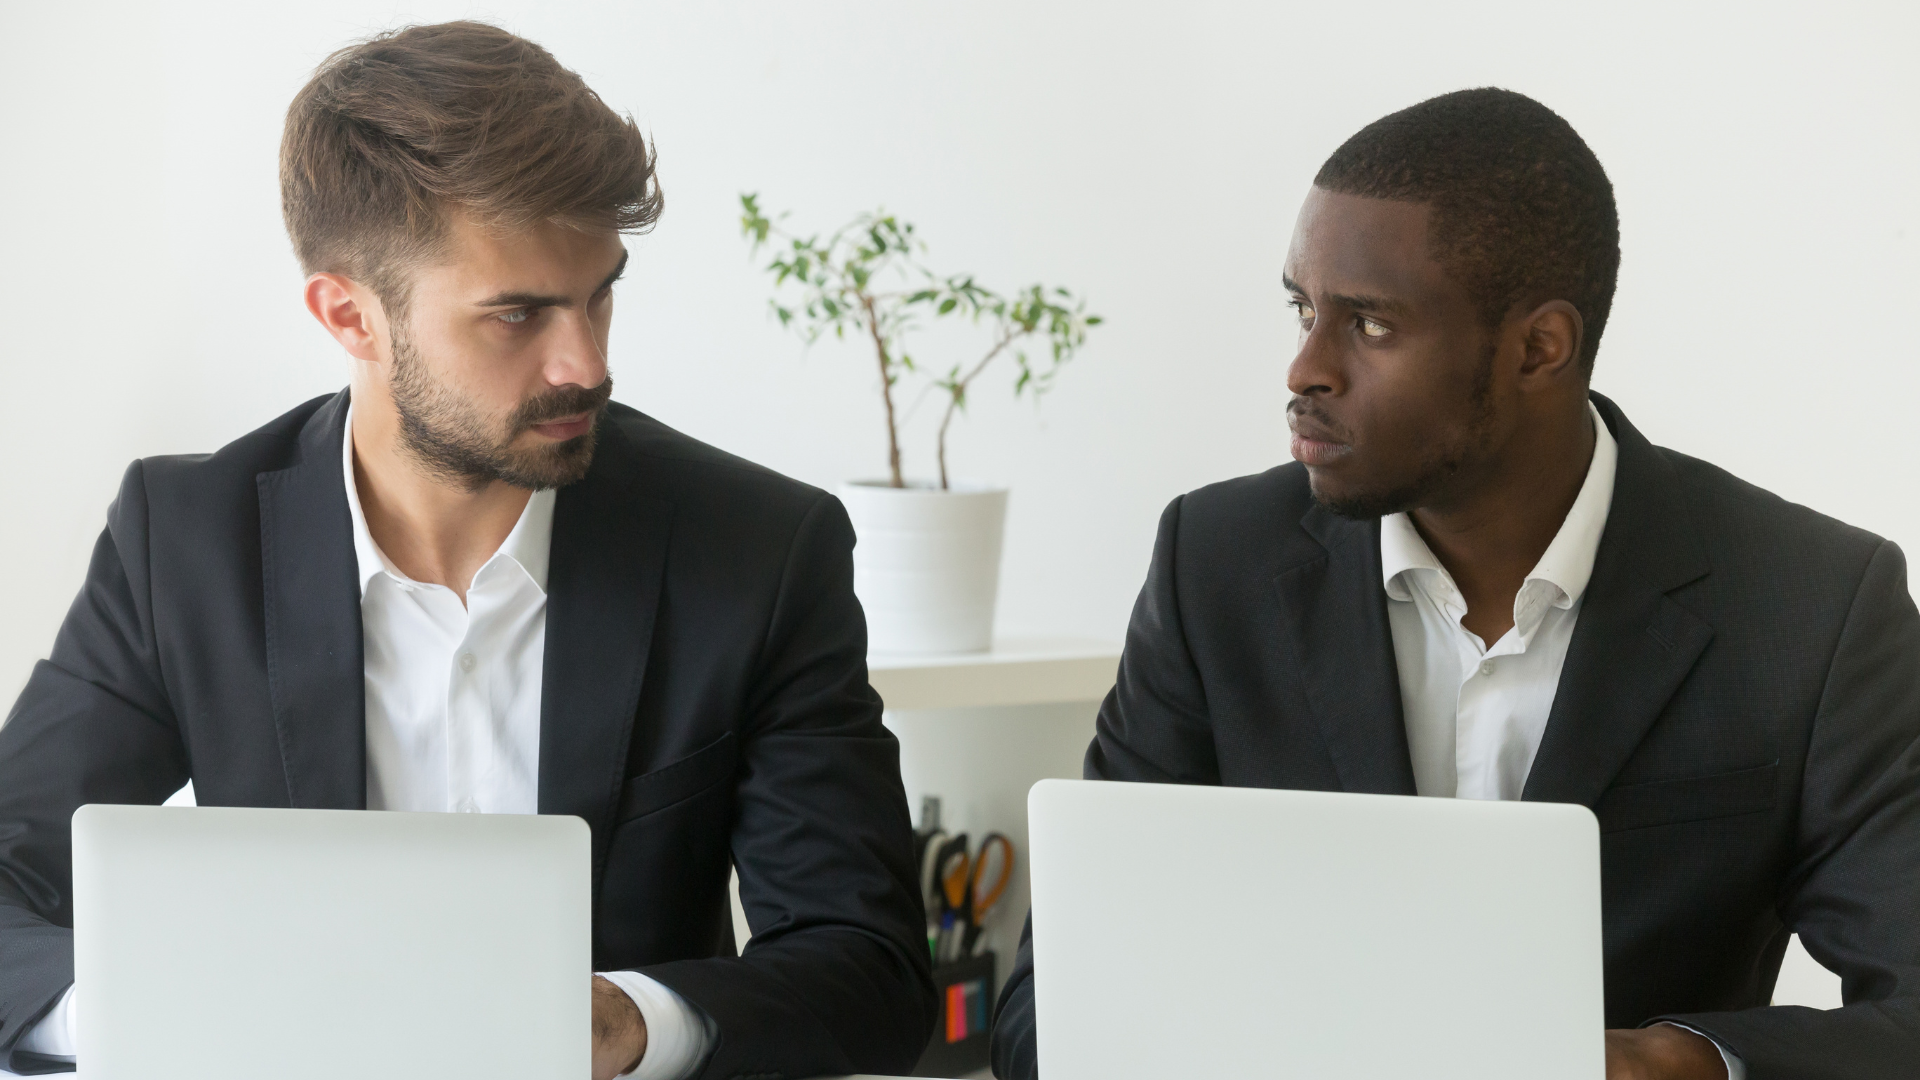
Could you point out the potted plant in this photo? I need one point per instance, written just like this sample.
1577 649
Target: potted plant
927 566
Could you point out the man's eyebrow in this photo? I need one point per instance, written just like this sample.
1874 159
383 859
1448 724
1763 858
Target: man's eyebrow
618 271
1353 301
538 300
1363 302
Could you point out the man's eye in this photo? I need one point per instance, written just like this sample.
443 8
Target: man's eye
1371 328
1304 311
515 317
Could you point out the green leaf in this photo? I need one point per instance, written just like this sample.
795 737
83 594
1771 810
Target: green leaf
948 304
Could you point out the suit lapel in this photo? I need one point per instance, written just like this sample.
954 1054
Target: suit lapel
603 592
1334 617
312 607
1632 645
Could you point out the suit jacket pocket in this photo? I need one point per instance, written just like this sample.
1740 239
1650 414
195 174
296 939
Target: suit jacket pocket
711 764
1695 798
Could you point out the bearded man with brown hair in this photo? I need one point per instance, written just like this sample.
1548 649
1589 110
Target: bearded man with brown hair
470 582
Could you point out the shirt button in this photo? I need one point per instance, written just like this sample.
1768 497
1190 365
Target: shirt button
466 662
1486 667
468 806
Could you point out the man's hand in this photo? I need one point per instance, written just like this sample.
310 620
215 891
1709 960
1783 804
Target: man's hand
1662 1052
620 1032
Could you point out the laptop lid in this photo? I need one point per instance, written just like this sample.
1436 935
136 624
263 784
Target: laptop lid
215 943
1208 931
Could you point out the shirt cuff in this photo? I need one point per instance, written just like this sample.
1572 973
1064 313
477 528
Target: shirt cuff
679 1035
53 1035
1736 1067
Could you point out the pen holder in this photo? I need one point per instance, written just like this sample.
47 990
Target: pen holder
959 1042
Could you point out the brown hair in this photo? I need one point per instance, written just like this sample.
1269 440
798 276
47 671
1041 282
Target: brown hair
394 134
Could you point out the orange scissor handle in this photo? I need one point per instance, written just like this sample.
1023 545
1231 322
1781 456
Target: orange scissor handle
953 879
987 890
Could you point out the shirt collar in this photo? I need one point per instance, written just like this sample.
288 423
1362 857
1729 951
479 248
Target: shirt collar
529 546
1402 551
1567 564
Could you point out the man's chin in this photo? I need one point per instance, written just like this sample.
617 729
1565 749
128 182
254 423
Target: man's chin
555 465
1359 504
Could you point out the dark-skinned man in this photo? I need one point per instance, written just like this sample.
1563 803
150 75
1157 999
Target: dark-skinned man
1479 580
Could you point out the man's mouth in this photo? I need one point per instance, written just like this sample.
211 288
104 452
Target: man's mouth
567 427
1313 442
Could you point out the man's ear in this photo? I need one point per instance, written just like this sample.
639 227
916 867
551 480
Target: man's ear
1552 335
350 312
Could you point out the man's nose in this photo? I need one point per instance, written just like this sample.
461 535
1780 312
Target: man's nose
576 356
1316 367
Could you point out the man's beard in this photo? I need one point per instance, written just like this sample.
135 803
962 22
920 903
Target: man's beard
458 444
1439 468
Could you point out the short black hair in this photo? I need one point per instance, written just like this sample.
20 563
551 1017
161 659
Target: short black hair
1522 210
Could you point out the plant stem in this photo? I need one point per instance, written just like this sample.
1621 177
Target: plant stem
886 394
958 393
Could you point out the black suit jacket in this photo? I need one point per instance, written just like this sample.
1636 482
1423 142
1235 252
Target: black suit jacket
1740 706
704 702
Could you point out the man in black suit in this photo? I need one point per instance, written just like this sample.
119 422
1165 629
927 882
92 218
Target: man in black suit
470 583
1479 580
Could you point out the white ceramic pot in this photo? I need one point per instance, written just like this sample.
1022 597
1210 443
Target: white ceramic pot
927 565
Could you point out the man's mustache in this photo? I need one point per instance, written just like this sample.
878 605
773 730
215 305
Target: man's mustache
1304 407
561 402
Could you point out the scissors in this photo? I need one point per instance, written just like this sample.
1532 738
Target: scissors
969 889
964 888
986 886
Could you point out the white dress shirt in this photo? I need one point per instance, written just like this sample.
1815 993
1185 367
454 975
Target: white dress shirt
1475 715
453 725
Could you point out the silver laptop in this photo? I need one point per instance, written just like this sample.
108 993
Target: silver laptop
1232 932
215 943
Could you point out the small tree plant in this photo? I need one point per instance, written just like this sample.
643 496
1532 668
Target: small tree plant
867 280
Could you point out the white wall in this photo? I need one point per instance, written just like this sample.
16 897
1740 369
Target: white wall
1151 155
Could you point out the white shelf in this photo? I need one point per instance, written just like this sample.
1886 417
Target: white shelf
1016 671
